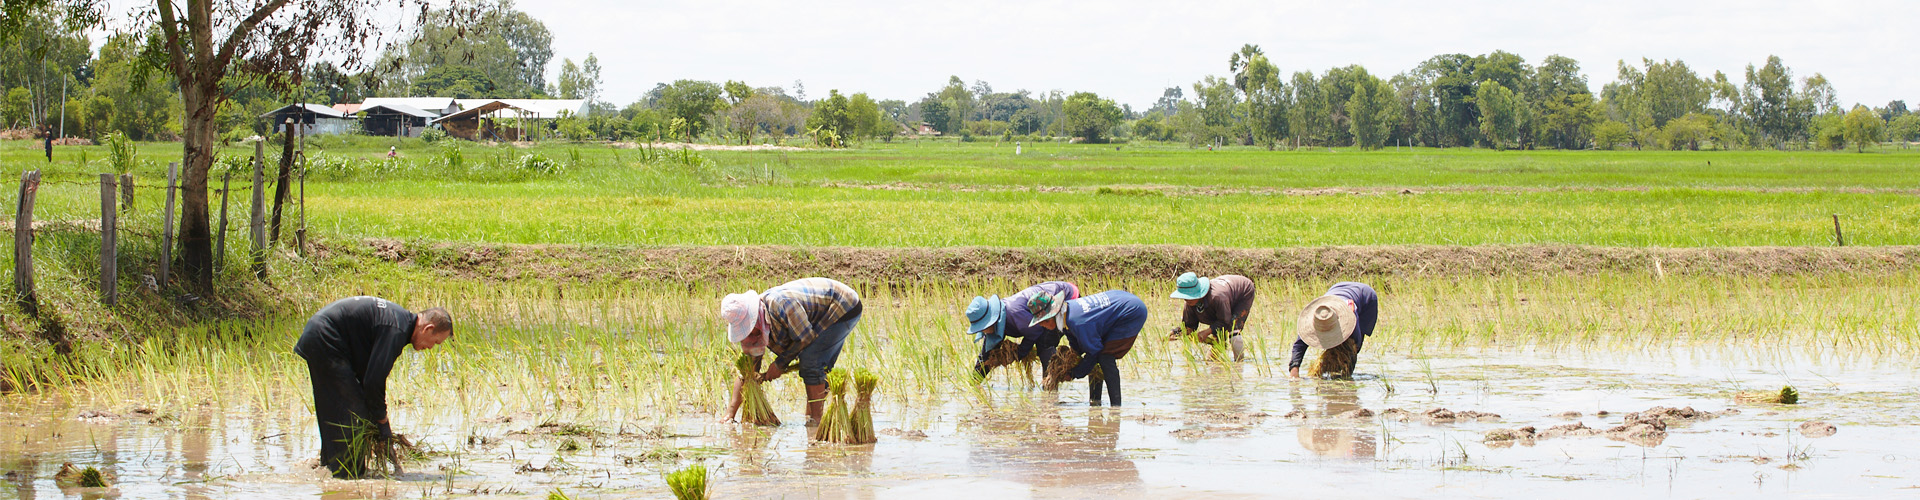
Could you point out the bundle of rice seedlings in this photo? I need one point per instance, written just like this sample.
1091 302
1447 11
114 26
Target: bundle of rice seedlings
369 455
1001 355
863 383
1064 359
689 483
1336 362
754 408
836 425
1786 396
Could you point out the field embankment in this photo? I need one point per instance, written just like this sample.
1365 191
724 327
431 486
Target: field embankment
709 263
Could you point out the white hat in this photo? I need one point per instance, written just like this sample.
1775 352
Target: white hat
1326 322
741 311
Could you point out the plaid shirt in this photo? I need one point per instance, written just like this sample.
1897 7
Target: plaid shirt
796 312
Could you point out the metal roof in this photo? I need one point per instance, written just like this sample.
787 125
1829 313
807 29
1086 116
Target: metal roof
402 109
434 104
322 111
533 108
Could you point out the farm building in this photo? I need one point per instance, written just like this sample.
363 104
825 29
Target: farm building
507 119
394 120
313 119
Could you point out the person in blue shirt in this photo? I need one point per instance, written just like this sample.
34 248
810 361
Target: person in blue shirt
1345 314
1101 327
995 320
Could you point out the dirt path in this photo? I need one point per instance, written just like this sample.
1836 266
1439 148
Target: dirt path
1162 190
510 262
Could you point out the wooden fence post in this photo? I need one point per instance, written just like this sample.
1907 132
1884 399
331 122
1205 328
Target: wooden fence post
300 235
1838 238
257 223
220 238
109 243
166 226
126 192
23 243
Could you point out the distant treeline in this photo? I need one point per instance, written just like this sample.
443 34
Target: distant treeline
1494 100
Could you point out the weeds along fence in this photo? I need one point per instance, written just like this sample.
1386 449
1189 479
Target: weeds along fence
132 224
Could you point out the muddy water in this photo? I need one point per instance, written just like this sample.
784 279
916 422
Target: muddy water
1188 431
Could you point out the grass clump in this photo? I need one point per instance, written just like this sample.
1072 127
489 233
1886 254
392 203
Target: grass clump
1787 395
864 382
89 477
754 407
689 483
836 426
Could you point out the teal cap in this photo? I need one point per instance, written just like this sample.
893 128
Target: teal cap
1191 286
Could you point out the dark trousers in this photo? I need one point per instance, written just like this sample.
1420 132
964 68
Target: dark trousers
338 405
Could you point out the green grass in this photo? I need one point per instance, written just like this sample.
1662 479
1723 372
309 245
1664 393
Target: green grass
1146 195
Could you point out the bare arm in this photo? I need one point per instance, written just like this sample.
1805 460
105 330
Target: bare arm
733 404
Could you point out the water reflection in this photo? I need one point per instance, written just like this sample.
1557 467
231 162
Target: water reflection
1332 434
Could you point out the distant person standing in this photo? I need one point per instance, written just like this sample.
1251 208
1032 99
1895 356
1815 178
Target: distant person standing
1222 303
1339 323
47 132
350 347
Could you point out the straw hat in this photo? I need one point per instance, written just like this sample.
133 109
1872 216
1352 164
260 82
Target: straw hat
1326 322
740 311
1046 306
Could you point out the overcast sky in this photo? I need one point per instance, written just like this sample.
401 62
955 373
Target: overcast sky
1130 50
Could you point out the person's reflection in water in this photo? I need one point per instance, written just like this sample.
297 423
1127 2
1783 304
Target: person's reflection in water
1333 437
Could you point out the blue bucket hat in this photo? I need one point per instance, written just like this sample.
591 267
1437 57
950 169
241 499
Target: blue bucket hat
984 316
1191 286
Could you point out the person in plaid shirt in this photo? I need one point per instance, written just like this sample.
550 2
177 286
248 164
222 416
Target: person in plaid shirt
806 321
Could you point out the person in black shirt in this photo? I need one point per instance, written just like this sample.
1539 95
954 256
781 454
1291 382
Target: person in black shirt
350 347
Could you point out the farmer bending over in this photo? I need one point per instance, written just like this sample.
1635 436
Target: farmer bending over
1339 323
1221 303
806 320
995 319
350 347
1101 327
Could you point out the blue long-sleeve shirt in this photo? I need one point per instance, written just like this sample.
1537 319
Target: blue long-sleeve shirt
1093 321
1366 311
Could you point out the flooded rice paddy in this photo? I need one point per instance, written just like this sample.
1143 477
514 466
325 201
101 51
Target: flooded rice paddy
1189 430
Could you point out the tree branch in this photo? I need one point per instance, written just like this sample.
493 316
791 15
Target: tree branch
175 52
246 26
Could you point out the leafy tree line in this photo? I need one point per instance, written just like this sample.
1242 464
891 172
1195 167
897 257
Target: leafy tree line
489 49
1499 100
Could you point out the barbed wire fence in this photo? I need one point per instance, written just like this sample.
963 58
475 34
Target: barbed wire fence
57 206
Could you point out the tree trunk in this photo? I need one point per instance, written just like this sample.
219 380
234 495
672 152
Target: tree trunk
197 128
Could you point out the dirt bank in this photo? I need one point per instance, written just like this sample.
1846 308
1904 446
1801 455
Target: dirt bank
510 262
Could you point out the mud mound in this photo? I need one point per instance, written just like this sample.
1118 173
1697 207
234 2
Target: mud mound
1576 429
901 265
1817 429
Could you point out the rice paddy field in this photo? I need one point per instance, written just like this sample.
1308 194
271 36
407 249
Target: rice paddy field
1583 384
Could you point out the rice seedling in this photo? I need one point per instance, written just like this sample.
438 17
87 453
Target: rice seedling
89 477
1002 355
1787 395
689 483
862 431
836 425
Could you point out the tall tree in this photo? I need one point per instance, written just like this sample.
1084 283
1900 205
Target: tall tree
1563 107
1769 101
579 82
832 123
1089 117
215 48
491 37
1864 128
1499 114
692 103
1371 111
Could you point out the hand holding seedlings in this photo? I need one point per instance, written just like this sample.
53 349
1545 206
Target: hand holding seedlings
1101 327
350 347
1221 303
996 320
